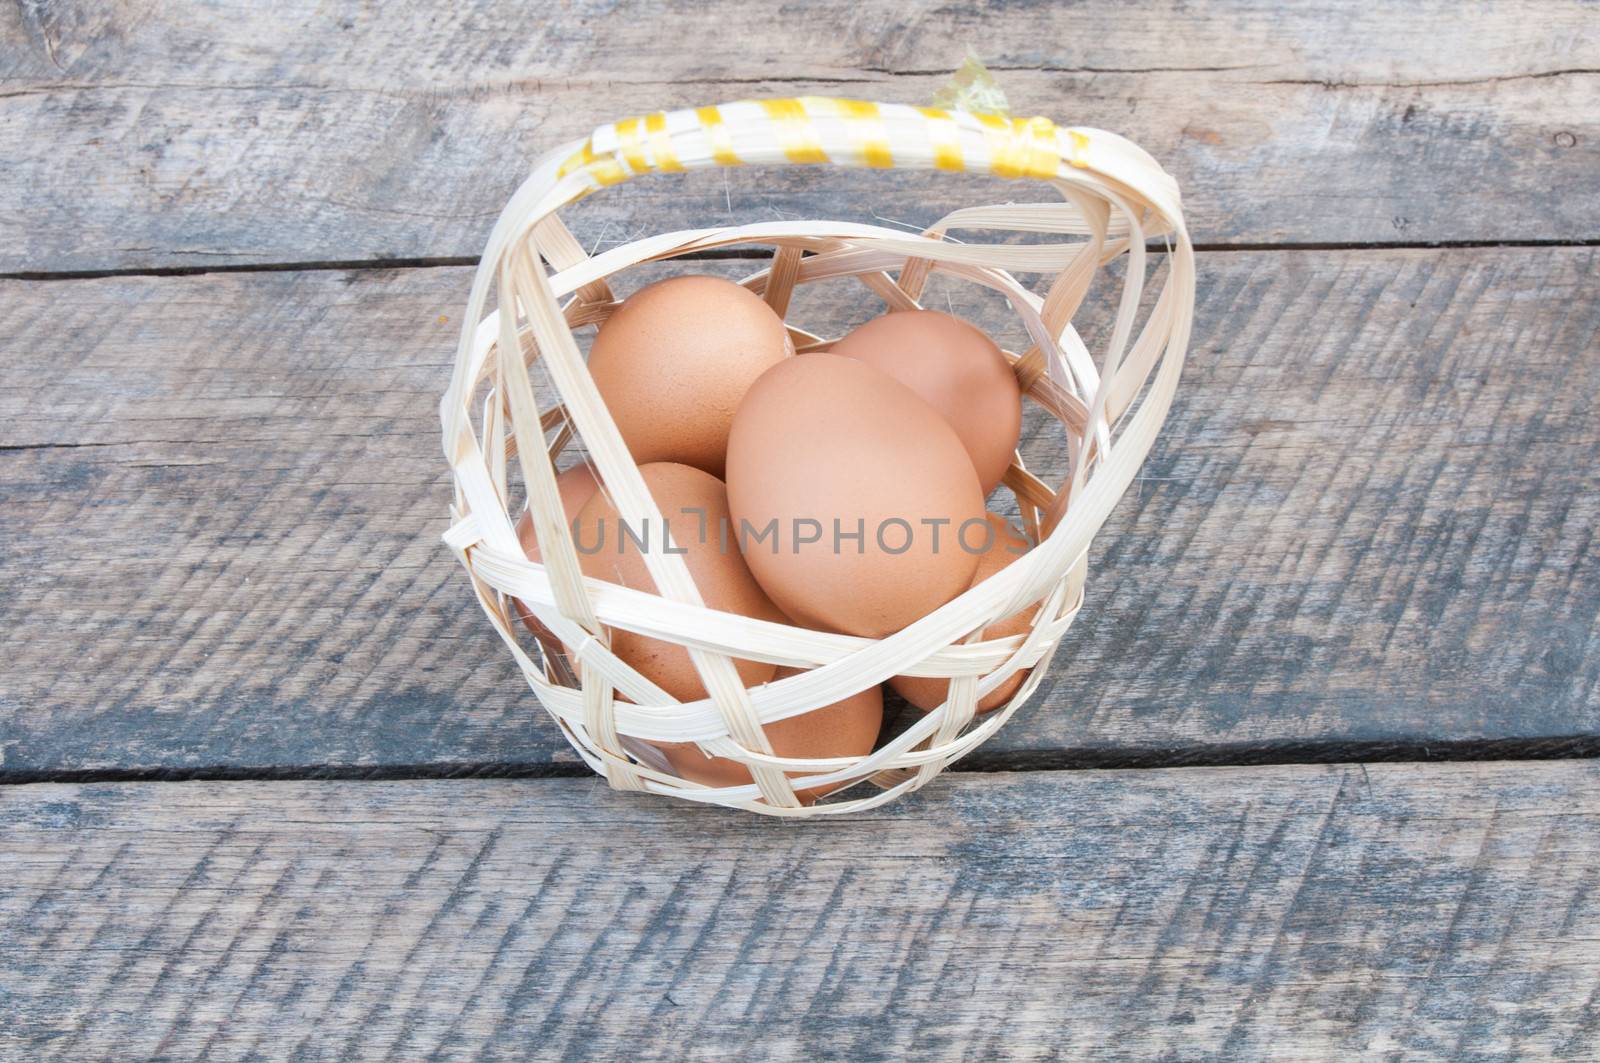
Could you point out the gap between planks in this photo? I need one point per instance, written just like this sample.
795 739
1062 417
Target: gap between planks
1153 758
730 254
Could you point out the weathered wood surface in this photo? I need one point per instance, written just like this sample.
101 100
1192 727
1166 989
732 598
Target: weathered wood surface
1371 520
195 134
1441 912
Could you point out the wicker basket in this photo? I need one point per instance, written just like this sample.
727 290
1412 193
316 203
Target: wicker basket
1115 199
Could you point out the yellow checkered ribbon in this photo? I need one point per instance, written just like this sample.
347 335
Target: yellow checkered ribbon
806 130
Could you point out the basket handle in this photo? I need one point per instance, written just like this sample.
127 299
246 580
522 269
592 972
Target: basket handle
810 130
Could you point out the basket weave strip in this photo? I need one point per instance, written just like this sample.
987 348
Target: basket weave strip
1115 198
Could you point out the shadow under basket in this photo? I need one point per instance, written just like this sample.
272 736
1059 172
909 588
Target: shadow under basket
1114 199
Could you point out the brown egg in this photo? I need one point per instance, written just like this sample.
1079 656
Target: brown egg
847 728
673 361
823 442
1006 546
689 500
958 371
575 486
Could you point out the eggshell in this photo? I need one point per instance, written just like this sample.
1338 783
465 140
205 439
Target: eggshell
673 361
1006 546
823 438
575 486
847 728
608 551
958 371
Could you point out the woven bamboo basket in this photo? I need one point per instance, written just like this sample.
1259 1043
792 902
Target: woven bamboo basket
1114 199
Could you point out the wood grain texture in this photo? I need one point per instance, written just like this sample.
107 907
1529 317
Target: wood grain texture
1398 911
194 134
1371 519
1372 516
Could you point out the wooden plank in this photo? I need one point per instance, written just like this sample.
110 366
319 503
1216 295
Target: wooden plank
1371 520
1372 517
201 134
1326 912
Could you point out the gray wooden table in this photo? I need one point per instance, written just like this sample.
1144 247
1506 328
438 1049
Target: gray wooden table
1314 772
